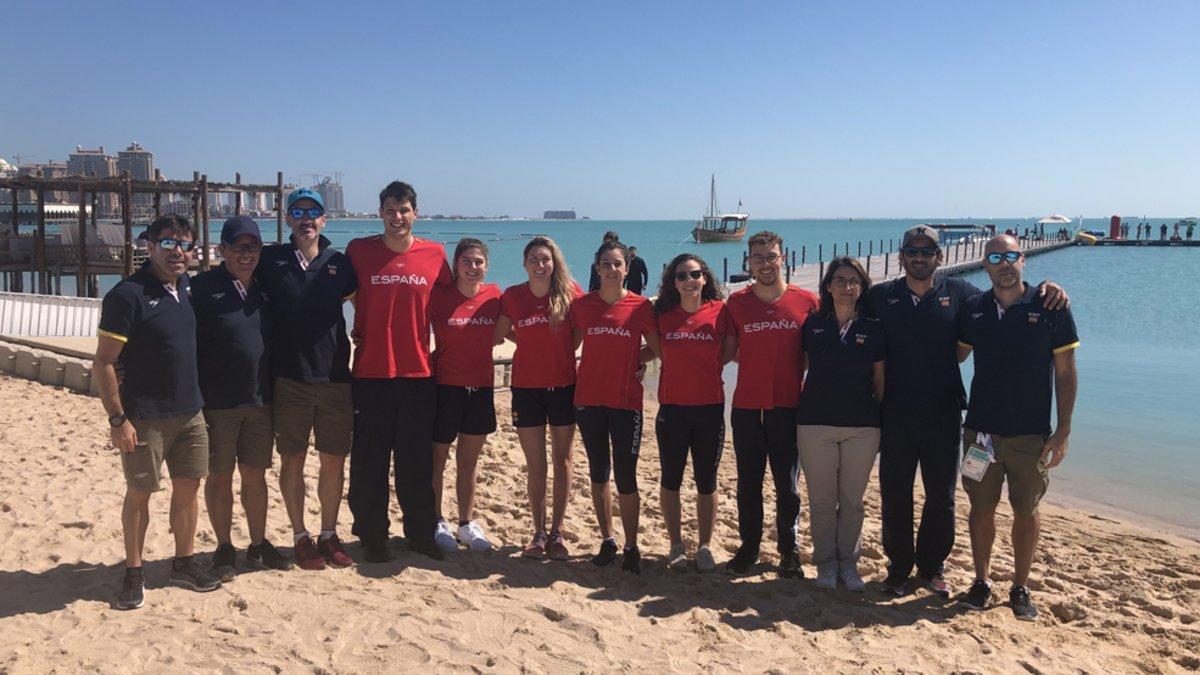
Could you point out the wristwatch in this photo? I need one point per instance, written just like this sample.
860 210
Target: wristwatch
117 420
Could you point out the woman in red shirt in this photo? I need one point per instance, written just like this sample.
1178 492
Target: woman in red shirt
696 342
534 315
610 324
463 316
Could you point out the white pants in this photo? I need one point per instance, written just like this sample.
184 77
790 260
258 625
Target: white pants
837 464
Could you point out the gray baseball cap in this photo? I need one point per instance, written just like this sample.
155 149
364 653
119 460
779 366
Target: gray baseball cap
920 231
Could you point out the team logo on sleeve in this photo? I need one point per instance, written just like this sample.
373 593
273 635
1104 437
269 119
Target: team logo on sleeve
1034 316
945 301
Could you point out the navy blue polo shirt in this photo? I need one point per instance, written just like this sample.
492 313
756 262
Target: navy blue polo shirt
232 335
309 342
159 357
839 388
922 361
1014 361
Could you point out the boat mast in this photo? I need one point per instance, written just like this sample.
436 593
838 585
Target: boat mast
712 197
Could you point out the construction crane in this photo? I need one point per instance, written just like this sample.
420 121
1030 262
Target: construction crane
316 178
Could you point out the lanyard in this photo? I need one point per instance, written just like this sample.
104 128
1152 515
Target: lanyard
300 259
845 329
240 287
173 290
999 310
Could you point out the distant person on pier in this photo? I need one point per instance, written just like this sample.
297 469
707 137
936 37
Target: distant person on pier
594 279
1191 230
1021 347
307 281
922 406
147 326
638 275
1175 235
1162 232
1139 231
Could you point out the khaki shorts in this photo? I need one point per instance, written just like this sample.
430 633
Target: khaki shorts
180 441
322 410
239 436
1019 461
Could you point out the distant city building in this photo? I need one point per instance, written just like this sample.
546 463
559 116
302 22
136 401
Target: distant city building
331 192
559 215
48 170
95 164
139 162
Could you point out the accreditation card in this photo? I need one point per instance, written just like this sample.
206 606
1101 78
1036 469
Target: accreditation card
979 455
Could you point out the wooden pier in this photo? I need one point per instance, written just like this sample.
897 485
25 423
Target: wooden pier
959 257
90 253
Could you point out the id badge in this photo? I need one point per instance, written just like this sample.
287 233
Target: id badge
979 457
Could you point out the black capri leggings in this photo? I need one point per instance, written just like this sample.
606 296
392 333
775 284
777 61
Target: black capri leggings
600 424
700 428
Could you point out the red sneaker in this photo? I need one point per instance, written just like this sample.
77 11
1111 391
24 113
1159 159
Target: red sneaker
333 553
557 549
307 555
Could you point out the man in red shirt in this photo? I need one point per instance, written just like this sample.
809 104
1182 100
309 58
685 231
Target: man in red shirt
767 318
394 395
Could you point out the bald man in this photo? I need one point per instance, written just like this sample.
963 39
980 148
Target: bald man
1020 347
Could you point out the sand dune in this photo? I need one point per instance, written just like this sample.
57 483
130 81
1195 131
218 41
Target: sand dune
1114 597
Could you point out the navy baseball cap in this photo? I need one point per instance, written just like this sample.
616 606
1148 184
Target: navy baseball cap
238 226
305 193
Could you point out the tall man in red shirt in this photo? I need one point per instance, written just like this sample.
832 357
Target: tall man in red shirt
395 398
767 318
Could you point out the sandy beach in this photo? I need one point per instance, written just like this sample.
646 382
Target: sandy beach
1115 596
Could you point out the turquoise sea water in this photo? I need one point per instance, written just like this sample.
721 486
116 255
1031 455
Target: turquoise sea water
1136 440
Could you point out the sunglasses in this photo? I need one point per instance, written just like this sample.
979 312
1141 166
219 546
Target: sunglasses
693 274
314 212
1007 256
922 251
245 248
172 244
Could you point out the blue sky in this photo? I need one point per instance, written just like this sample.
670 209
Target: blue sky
622 110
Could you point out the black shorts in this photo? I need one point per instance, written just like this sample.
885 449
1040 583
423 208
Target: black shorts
699 428
463 410
598 426
534 407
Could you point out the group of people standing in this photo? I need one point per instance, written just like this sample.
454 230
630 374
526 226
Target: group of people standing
214 369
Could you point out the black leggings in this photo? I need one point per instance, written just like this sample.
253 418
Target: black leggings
700 428
597 426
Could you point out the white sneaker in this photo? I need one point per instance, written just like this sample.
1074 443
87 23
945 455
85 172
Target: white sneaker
472 535
443 536
827 577
704 560
852 581
677 559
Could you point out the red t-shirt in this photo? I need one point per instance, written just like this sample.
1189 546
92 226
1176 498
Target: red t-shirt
612 342
769 356
691 354
545 355
462 332
391 307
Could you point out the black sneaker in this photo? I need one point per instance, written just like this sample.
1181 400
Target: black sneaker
133 589
608 552
789 566
427 548
224 562
186 573
977 595
631 560
896 586
376 550
1022 606
741 563
265 556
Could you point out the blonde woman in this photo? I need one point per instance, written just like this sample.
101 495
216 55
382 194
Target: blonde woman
534 315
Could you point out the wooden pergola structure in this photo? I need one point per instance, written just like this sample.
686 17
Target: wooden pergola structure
125 187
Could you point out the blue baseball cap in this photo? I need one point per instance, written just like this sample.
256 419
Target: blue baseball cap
238 226
305 193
